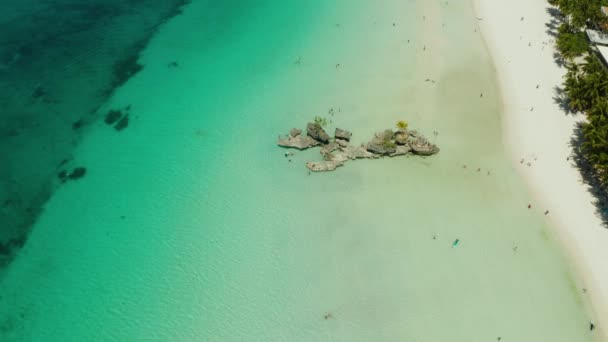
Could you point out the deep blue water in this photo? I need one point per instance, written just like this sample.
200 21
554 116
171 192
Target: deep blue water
59 61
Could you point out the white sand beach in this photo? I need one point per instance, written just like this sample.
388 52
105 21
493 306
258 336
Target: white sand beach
539 132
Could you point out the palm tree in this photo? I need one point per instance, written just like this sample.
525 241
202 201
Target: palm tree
600 108
586 85
595 144
575 90
402 125
573 68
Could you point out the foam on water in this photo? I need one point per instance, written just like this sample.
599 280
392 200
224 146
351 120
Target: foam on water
192 225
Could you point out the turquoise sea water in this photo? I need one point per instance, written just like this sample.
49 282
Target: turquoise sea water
59 61
191 225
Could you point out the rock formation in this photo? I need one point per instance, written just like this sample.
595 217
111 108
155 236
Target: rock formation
329 148
358 152
300 142
382 143
402 137
342 143
423 147
401 150
317 132
337 152
323 166
294 132
342 134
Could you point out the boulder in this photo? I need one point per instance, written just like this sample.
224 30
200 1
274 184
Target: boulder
317 132
381 148
342 143
358 152
386 135
382 143
342 134
294 132
401 138
425 150
401 150
423 147
329 148
339 156
323 166
300 142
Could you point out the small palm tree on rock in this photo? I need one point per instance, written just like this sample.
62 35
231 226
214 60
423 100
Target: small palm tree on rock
402 125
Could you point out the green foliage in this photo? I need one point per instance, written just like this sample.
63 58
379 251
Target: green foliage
572 45
595 144
587 89
575 90
389 144
402 125
579 12
565 28
320 121
387 139
586 85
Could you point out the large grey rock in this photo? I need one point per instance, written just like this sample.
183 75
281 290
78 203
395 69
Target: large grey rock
339 156
381 148
317 132
401 150
342 134
294 132
342 143
329 148
423 147
324 165
331 161
401 138
425 150
300 142
382 143
339 151
358 152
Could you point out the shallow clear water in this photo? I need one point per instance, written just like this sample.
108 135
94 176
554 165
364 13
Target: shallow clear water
191 224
